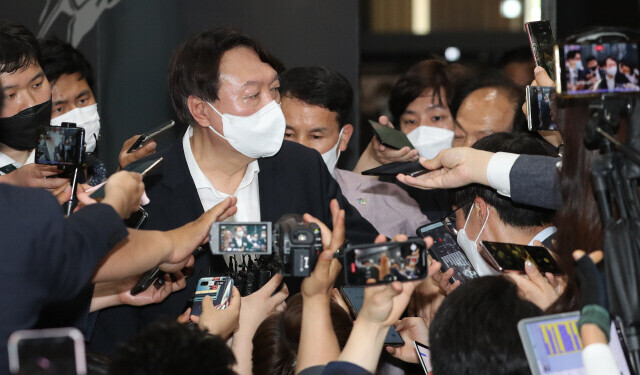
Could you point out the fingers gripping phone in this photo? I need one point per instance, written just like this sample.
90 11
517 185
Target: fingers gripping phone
218 288
511 257
354 297
408 168
542 41
146 137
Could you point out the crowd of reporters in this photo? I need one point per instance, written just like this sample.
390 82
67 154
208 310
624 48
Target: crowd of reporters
259 142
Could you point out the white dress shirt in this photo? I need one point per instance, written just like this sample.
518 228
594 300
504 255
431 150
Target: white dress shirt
7 160
247 192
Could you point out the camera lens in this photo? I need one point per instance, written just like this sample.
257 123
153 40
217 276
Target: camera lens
204 283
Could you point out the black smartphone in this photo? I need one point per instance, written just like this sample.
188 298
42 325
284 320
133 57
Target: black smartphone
61 146
354 298
383 263
140 166
409 168
541 41
390 137
137 219
578 76
511 257
47 351
445 249
146 137
424 355
539 104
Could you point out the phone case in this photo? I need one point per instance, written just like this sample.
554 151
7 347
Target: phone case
511 257
409 168
218 288
390 137
445 250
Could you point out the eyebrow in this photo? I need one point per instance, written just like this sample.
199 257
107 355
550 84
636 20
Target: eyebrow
36 77
82 93
253 83
318 130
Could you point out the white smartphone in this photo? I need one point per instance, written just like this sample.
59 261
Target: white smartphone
424 354
47 351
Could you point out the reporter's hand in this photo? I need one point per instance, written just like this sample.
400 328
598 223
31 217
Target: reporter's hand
384 304
153 294
125 158
442 279
223 322
123 191
535 287
384 155
257 306
410 329
541 78
35 176
451 168
189 236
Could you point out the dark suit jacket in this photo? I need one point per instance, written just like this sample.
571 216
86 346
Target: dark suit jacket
620 79
534 180
295 180
46 258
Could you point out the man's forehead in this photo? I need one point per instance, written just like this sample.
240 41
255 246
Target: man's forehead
27 72
242 66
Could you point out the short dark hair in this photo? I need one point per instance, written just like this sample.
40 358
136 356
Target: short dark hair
167 347
59 57
521 54
319 86
493 78
591 58
572 54
275 343
607 58
195 66
432 74
18 48
513 214
475 329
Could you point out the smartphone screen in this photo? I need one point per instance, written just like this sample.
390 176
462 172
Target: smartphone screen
218 288
445 249
241 238
62 146
354 297
541 41
590 69
539 104
511 257
424 355
390 137
386 262
47 351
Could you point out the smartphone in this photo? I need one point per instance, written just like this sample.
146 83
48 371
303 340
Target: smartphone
354 298
140 166
241 238
137 219
390 137
383 263
146 137
409 168
424 354
578 76
511 257
62 146
218 288
552 344
539 102
445 249
541 41
47 351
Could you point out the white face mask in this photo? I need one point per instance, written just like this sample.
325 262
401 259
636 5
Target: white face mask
331 157
612 71
86 118
429 140
256 136
470 248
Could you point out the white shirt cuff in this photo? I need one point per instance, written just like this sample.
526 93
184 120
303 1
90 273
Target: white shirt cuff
598 359
498 171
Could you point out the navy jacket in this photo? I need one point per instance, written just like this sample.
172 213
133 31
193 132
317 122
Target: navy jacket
294 181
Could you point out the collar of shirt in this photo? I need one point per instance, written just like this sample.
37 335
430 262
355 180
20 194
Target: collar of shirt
247 191
7 160
543 235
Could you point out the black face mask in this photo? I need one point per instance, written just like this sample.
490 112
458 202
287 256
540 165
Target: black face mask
21 131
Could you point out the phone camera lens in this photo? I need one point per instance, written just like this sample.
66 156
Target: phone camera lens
204 283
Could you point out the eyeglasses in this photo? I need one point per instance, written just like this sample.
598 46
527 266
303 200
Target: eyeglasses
449 220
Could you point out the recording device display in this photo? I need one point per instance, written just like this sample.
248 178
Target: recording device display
253 238
541 41
218 288
384 263
292 247
153 134
47 351
63 146
588 69
390 137
553 346
409 168
424 355
511 257
539 99
354 298
445 249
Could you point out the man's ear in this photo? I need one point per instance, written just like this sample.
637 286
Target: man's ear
347 132
198 109
482 209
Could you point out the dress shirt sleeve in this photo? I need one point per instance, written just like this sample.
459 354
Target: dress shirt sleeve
498 171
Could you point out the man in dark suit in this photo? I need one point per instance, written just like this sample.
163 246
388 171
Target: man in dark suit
611 77
224 85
